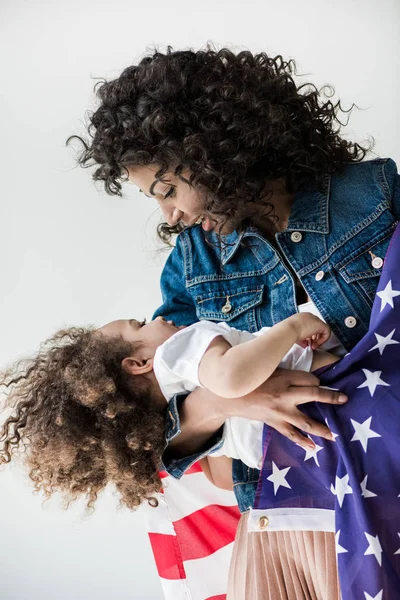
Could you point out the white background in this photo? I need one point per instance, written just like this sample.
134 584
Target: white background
71 255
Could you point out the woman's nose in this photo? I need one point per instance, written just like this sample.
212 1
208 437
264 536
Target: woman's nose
173 216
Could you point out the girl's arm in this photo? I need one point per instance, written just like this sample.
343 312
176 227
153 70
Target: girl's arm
218 470
236 371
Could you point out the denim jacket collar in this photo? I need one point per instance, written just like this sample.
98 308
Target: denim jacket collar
310 212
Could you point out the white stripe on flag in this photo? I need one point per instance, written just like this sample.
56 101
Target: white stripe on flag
207 577
197 492
175 589
158 519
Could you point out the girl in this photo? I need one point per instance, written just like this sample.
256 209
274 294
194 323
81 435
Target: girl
89 407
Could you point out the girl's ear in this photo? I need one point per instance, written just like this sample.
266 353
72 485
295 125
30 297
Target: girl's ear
137 366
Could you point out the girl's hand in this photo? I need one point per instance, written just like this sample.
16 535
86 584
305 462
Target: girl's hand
310 330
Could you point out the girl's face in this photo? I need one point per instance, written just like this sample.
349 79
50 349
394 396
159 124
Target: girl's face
149 336
178 200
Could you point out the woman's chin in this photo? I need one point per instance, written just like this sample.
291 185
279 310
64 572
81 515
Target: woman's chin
208 224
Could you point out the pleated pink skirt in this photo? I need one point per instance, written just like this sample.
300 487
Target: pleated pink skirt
283 565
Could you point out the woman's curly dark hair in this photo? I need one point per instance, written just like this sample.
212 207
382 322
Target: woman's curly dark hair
79 423
234 121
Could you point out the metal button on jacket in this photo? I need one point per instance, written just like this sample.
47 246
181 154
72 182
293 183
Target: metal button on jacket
227 306
377 262
350 322
320 275
296 236
263 522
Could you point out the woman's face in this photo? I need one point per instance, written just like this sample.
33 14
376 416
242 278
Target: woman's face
178 200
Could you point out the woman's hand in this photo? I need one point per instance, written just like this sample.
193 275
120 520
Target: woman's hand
275 402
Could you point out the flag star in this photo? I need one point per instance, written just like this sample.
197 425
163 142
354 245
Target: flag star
383 341
373 379
364 492
377 597
341 488
312 453
363 432
398 551
335 435
278 477
387 295
339 548
374 547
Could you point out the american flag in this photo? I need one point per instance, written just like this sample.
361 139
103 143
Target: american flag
191 534
354 483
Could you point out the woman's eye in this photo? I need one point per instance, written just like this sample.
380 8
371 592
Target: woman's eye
143 323
170 193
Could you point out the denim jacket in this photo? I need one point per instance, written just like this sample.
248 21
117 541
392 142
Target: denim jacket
335 243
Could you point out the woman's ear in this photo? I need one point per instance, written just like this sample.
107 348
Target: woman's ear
137 366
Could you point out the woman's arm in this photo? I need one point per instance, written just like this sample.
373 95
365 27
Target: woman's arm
233 371
275 402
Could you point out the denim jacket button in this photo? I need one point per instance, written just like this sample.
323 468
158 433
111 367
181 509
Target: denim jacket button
263 523
227 307
320 275
350 322
377 262
296 236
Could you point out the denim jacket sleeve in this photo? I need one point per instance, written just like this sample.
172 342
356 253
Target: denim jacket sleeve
177 466
392 181
177 303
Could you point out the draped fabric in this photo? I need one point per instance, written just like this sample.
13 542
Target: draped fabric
191 533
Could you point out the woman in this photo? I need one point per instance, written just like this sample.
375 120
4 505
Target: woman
276 214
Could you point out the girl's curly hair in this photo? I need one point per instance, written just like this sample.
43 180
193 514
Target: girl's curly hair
79 423
233 121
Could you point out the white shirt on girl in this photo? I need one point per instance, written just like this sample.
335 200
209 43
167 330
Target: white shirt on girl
176 364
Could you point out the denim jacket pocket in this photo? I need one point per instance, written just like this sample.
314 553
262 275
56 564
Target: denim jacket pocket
364 269
235 306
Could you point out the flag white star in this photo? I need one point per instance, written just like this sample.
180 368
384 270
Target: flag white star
335 435
383 341
398 551
312 453
387 295
374 547
373 379
341 488
377 597
278 477
339 548
363 432
364 492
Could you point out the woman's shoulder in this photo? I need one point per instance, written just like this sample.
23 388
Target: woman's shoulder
380 169
366 181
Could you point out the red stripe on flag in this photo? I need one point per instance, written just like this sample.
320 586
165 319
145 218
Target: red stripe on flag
167 556
195 468
220 597
207 530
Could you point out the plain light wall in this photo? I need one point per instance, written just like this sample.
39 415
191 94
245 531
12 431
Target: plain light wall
72 255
